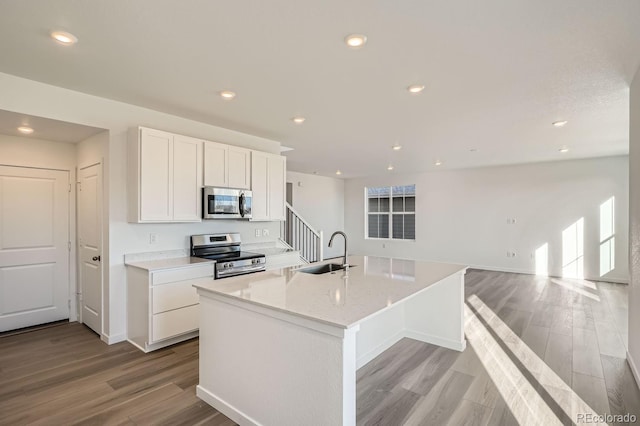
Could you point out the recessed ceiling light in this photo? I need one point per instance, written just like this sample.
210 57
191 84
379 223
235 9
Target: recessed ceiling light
438 163
298 120
64 38
338 172
559 123
396 147
389 167
25 130
473 150
227 95
415 88
355 40
564 149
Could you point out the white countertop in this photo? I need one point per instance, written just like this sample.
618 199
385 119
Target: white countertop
169 263
342 298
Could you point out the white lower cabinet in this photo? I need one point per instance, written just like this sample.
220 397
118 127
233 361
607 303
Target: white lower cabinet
162 306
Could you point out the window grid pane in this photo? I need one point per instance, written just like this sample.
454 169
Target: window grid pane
390 212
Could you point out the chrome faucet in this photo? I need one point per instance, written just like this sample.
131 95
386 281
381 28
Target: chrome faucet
344 260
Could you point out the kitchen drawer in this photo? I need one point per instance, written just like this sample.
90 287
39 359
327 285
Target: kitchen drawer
173 296
172 323
181 274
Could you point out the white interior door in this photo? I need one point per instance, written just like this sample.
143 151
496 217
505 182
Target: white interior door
34 246
90 243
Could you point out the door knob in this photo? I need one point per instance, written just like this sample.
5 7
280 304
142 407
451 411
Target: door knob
96 258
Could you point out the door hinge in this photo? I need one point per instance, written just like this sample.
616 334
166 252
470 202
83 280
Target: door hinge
69 187
69 304
69 245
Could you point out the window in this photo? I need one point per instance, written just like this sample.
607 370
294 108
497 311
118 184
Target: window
391 212
607 237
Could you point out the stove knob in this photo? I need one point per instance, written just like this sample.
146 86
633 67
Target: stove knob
230 265
253 261
225 265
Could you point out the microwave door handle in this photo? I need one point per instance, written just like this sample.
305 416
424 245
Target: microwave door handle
241 205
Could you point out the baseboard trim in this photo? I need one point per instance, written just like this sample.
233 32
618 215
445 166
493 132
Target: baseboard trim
529 272
634 369
110 340
366 358
435 340
225 408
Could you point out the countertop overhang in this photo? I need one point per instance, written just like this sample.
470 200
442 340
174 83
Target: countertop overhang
343 298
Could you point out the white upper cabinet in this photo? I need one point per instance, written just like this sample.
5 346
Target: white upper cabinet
187 179
268 181
226 166
165 177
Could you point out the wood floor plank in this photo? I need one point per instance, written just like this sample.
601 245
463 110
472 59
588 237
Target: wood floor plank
609 342
483 391
536 337
586 353
583 317
559 356
113 415
440 404
501 415
470 414
593 391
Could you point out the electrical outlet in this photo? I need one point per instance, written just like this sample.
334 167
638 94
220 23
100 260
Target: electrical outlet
265 232
258 232
384 245
153 238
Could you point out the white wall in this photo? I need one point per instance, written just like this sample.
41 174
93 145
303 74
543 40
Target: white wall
633 355
320 201
461 215
42 100
43 154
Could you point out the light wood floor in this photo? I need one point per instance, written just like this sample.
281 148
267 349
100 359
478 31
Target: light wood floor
572 331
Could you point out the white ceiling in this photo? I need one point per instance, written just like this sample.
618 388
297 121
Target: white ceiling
497 73
45 128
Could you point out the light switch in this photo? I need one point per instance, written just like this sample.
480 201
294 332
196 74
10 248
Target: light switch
258 232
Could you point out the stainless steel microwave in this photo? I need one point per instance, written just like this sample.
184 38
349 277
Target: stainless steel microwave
226 203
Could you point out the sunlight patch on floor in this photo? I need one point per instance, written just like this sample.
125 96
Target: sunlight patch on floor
526 404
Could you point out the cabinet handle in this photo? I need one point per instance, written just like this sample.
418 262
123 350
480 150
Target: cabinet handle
96 258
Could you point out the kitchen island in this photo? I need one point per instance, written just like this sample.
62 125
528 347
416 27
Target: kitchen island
282 347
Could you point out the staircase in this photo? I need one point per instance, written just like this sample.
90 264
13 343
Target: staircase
301 236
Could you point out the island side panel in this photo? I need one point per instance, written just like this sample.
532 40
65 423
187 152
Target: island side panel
260 369
379 333
436 315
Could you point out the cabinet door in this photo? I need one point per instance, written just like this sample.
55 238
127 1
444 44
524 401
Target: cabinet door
187 169
156 165
239 166
215 164
259 185
277 185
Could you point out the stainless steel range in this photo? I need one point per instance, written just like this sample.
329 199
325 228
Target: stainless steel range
225 250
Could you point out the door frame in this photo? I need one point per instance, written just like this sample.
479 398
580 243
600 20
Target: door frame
78 261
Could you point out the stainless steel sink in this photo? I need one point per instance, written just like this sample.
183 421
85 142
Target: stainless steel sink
323 269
